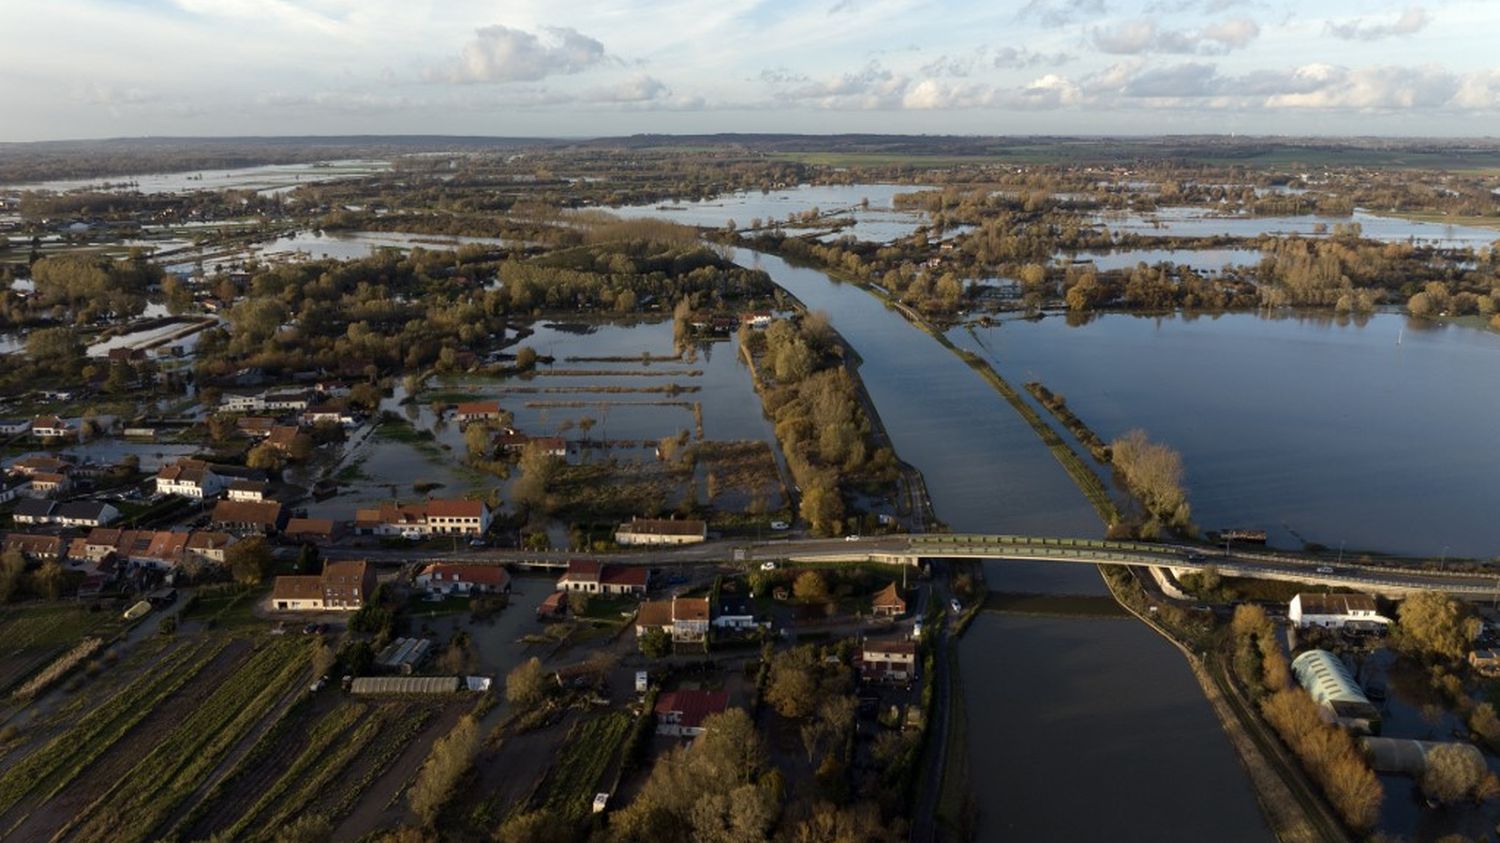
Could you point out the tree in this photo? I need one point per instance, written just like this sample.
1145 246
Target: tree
793 686
526 358
1454 772
264 457
12 572
1436 626
50 580
449 760
526 684
477 440
655 643
538 469
859 823
249 560
810 587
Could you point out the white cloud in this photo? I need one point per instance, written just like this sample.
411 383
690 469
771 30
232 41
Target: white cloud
1013 57
1144 36
1054 13
1411 21
502 54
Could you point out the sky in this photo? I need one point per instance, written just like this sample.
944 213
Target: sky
579 68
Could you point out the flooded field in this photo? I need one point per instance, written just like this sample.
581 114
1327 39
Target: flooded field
267 179
1207 261
869 206
1201 222
1311 428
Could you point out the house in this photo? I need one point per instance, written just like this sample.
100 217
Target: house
288 439
1336 611
289 402
690 620
14 427
247 490
452 578
430 518
236 403
189 478
888 661
735 611
680 713
41 464
661 531
318 531
888 602
254 427
514 442
13 486
472 411
52 427
328 414
248 516
46 484
33 511
759 320
34 547
603 578
208 546
127 354
1485 662
342 587
85 514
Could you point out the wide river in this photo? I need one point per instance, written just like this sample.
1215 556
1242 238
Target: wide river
1078 729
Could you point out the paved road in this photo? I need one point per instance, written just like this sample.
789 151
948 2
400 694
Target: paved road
905 548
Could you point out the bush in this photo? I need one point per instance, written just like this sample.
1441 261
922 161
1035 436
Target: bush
449 760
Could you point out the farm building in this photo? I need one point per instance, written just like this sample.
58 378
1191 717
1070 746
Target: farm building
658 531
1324 677
404 655
407 685
1336 611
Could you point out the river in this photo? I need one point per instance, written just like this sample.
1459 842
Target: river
1077 728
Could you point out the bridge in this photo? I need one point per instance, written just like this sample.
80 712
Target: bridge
1390 577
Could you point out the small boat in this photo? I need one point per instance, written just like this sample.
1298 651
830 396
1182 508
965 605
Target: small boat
324 489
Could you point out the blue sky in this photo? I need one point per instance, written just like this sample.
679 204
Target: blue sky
105 68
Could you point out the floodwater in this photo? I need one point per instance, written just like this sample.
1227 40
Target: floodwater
876 220
553 403
1199 260
1374 433
267 179
1203 222
322 245
1062 713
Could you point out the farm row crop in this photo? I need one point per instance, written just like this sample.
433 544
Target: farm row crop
58 668
61 759
166 776
314 757
590 748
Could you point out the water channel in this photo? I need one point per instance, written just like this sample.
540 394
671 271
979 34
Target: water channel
1077 728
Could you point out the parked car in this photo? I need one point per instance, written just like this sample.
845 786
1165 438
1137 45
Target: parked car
768 565
955 605
852 537
780 525
479 543
1324 569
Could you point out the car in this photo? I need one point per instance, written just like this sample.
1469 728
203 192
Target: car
955 605
780 525
1195 557
310 629
479 543
768 565
852 537
1324 569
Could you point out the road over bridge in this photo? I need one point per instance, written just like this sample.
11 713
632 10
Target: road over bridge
1387 577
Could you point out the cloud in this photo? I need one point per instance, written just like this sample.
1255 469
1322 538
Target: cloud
1055 13
1012 57
1411 21
1144 36
637 89
502 54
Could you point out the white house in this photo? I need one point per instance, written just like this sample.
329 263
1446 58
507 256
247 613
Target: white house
450 578
680 714
12 427
1335 611
189 479
85 514
13 487
52 427
659 531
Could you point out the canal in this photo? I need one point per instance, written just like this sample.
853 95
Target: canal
1077 728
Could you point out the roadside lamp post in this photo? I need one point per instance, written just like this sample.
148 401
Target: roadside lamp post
1443 562
1341 551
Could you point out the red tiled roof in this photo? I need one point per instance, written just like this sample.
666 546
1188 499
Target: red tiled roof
455 509
632 575
694 705
664 527
493 576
